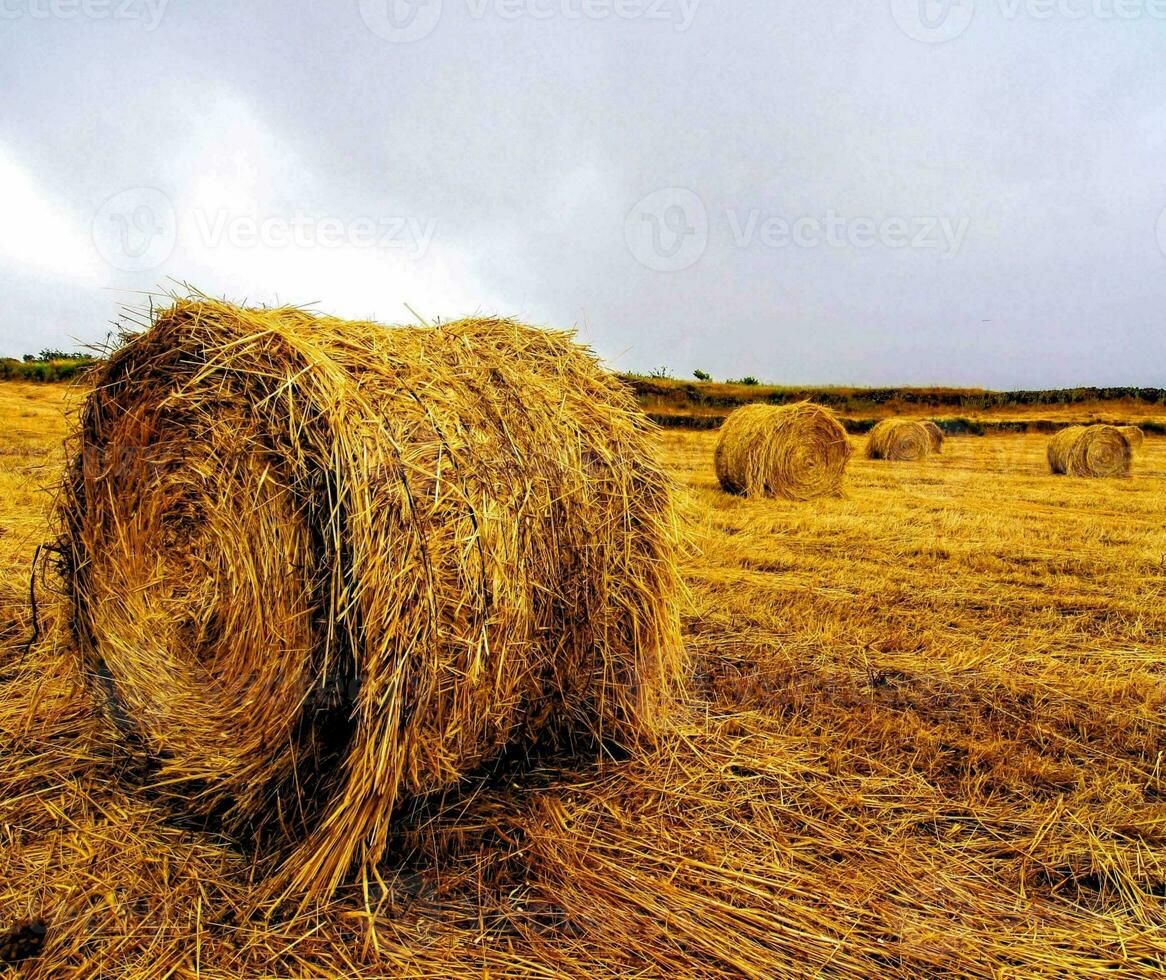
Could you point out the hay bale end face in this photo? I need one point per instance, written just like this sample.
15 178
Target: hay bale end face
902 440
1090 451
936 434
317 567
792 451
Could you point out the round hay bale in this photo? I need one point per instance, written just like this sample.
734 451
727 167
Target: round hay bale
1134 435
793 451
316 567
936 434
1090 450
903 440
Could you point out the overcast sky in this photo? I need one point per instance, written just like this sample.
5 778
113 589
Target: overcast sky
894 191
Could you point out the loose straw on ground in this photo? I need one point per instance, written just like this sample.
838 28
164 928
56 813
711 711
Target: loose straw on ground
1090 451
792 451
317 567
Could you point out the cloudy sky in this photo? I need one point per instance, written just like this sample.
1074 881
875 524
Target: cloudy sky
890 191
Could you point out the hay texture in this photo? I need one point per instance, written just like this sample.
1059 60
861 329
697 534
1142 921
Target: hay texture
792 451
936 434
902 440
1134 435
317 567
1090 450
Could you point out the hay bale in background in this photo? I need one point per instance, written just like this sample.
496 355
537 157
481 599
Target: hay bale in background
317 567
936 434
793 451
900 439
1093 450
1134 435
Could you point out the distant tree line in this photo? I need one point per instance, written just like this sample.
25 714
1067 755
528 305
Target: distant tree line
48 365
730 394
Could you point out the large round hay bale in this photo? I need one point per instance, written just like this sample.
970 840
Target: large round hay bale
1090 450
900 439
318 567
936 434
792 451
1134 435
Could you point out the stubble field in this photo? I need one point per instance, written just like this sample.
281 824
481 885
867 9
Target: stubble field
924 738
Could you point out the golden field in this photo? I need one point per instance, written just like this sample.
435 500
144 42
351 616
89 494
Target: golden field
924 738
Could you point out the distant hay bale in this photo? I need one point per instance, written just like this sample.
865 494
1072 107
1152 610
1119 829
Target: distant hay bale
792 451
316 567
936 434
1134 435
1093 450
902 440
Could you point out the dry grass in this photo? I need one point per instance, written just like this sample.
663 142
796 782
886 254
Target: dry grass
925 740
1091 451
30 441
792 451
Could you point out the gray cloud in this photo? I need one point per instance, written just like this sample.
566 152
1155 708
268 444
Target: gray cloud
838 193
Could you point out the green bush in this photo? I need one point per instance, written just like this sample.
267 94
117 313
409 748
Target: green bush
56 369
